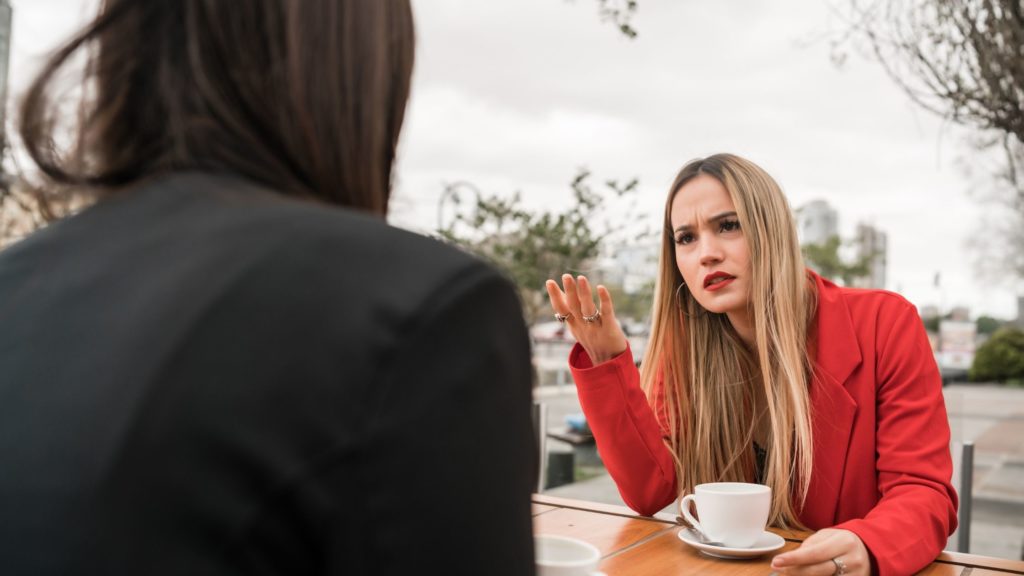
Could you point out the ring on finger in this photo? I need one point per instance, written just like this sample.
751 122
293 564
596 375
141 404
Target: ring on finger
592 318
840 566
562 317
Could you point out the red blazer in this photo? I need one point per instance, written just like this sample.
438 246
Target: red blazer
881 437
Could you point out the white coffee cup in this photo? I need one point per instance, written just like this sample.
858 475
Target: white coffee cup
733 513
562 556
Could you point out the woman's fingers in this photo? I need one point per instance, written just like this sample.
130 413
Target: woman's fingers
555 295
575 297
812 551
571 295
557 298
595 329
816 554
587 306
822 569
607 310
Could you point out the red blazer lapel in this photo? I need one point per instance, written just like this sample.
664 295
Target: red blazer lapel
837 355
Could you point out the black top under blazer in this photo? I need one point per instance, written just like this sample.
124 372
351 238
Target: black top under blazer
199 376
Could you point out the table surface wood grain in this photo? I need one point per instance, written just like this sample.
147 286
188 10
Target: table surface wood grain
631 544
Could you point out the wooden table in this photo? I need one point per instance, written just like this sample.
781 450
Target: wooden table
649 546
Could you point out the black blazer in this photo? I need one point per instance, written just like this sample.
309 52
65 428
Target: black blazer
198 376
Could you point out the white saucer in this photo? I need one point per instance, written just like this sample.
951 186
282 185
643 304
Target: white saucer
766 542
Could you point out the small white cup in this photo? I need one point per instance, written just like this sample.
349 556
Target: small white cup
562 556
733 513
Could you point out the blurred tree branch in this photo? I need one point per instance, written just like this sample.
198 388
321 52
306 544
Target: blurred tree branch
533 246
827 261
998 240
620 13
962 60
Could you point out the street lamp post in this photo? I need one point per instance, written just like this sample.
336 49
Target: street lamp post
451 192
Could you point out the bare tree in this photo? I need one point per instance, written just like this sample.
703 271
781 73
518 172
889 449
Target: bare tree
962 60
619 13
998 239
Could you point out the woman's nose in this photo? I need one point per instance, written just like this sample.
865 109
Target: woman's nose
710 252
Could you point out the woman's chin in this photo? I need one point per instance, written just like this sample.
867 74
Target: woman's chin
718 306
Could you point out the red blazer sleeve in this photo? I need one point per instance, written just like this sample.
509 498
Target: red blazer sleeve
629 437
917 508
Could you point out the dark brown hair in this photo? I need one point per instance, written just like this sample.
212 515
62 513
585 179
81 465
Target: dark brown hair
304 96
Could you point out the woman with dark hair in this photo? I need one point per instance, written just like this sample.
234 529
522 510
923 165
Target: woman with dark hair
230 363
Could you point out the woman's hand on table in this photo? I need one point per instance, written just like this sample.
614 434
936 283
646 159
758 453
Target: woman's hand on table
594 328
815 556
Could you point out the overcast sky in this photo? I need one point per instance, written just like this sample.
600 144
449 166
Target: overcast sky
515 95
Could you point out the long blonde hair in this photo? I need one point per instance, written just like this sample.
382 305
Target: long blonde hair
706 374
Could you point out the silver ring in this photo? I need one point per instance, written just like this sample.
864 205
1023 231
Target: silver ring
840 567
562 318
592 318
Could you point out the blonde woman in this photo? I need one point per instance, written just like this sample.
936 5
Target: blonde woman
760 370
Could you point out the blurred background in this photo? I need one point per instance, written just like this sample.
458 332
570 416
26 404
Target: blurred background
543 135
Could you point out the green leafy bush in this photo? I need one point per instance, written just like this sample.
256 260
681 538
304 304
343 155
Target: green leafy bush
1001 358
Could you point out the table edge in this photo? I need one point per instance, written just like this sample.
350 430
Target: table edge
588 506
978 561
945 557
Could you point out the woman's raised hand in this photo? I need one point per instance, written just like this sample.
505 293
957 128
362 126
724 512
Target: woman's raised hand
594 328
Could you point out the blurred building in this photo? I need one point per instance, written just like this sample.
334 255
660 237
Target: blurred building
960 314
5 58
872 244
957 345
816 222
929 311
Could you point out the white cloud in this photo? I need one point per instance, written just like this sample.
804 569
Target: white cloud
517 94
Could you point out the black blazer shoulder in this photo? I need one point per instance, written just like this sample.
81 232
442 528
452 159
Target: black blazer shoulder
200 356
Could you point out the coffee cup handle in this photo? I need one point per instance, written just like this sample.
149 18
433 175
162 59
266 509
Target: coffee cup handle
684 509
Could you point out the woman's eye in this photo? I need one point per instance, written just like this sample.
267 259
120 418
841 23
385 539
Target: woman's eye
684 238
730 225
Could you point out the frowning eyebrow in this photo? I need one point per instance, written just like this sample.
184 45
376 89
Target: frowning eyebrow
711 220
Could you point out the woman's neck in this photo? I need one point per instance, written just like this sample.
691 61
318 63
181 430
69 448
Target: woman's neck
743 324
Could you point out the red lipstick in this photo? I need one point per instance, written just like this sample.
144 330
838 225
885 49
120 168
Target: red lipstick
717 280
